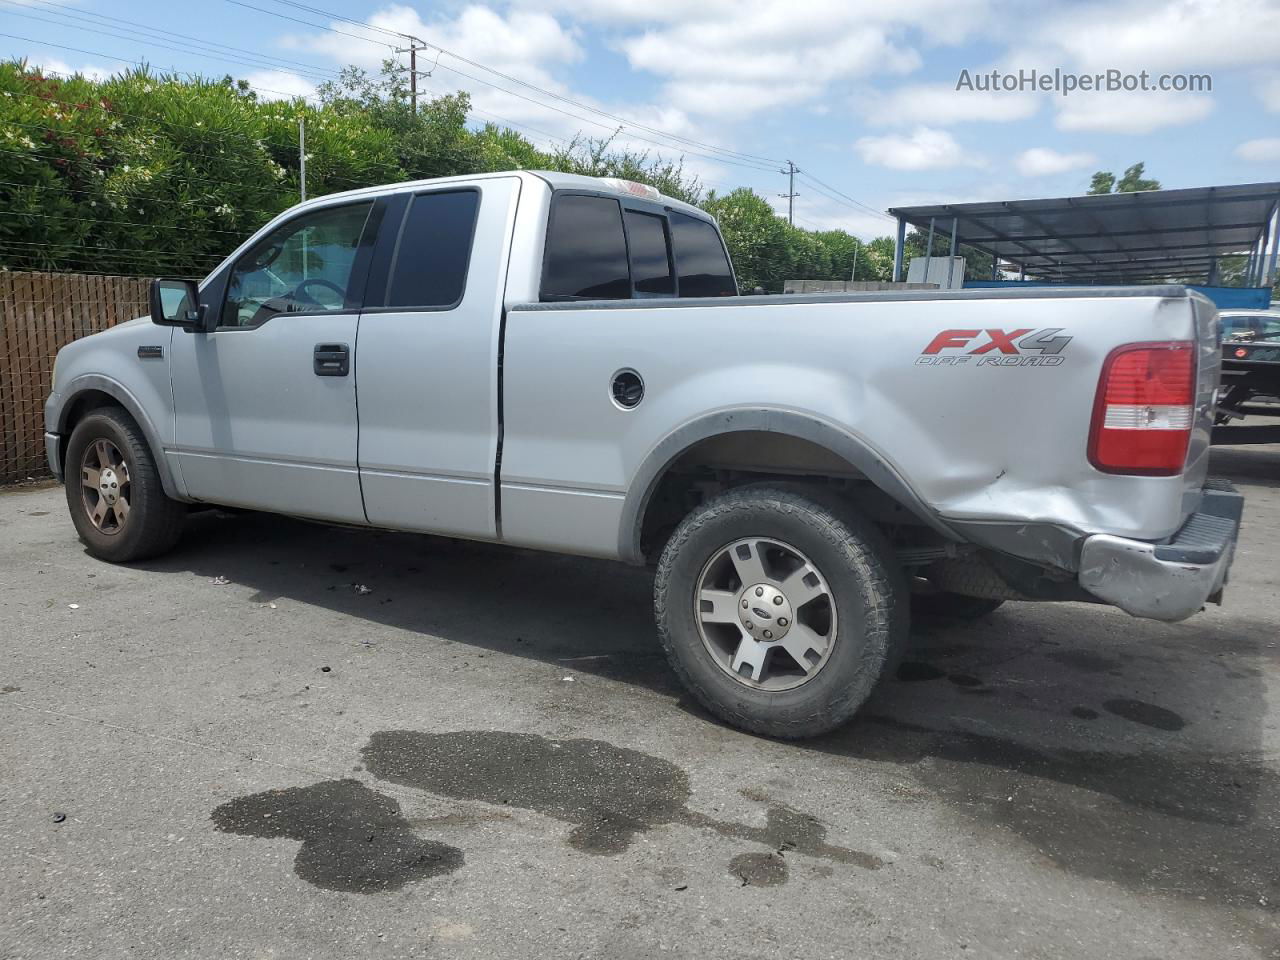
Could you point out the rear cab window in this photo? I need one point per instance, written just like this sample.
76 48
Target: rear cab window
586 255
599 247
433 251
701 259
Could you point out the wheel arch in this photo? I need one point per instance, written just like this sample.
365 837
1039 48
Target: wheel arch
855 453
92 392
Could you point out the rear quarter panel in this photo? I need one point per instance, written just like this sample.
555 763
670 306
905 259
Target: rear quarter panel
981 436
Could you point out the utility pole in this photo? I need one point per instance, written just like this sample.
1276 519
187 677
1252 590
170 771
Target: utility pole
302 156
790 195
414 46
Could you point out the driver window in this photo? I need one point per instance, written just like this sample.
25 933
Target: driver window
303 266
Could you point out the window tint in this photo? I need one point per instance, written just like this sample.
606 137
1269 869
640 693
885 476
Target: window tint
700 258
303 266
650 262
586 250
435 248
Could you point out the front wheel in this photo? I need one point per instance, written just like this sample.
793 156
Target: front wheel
117 502
780 608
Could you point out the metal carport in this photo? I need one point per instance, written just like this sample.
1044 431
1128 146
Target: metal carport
1117 237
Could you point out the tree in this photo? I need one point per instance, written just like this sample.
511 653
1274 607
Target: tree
1102 182
145 173
757 238
1132 182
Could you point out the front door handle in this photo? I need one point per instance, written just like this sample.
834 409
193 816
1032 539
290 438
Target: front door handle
331 360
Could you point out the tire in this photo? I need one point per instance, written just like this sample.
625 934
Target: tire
152 522
952 606
863 605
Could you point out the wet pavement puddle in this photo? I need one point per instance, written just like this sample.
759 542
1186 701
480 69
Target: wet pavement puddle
355 839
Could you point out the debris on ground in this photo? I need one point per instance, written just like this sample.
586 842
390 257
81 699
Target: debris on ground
362 589
220 580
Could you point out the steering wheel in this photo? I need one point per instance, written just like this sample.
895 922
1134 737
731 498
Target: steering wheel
301 293
278 305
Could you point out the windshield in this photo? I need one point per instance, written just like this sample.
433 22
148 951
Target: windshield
1244 326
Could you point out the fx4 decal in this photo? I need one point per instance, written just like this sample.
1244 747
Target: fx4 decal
1024 347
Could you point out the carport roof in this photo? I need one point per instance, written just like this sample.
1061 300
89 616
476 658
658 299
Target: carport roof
1111 238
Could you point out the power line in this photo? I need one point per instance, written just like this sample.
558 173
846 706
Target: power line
274 62
626 122
857 203
213 55
173 71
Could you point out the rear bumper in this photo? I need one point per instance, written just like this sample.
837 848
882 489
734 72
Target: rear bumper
1167 581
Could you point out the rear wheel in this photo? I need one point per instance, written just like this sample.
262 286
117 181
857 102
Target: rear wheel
779 609
114 493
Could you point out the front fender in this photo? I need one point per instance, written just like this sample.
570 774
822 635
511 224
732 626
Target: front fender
58 407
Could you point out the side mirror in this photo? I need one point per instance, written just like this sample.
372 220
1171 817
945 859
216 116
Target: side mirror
176 303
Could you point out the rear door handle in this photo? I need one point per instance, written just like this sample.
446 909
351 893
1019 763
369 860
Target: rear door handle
331 360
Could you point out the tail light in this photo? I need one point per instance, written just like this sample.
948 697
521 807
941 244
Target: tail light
1144 409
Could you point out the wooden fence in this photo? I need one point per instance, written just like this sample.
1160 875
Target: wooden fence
40 313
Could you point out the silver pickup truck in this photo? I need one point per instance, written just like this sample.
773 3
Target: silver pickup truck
563 363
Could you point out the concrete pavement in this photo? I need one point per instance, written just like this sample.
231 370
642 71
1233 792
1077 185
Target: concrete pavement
289 740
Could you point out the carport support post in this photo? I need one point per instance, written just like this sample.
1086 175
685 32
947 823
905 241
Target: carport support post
928 252
898 243
951 259
1275 243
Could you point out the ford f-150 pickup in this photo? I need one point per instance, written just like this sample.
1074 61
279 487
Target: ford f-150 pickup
563 363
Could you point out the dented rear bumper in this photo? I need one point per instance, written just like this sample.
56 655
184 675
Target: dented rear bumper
1167 581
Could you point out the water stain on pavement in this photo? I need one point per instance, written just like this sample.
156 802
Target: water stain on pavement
759 869
1176 821
609 794
1147 714
354 839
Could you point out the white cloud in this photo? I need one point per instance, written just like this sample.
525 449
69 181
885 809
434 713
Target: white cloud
1266 150
522 40
732 58
1132 113
940 104
280 85
1174 35
923 149
1042 162
713 71
61 68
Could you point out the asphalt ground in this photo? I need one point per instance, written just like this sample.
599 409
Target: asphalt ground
288 740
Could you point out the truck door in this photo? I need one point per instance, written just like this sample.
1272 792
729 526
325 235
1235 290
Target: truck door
265 403
428 360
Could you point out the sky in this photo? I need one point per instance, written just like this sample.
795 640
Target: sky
861 95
